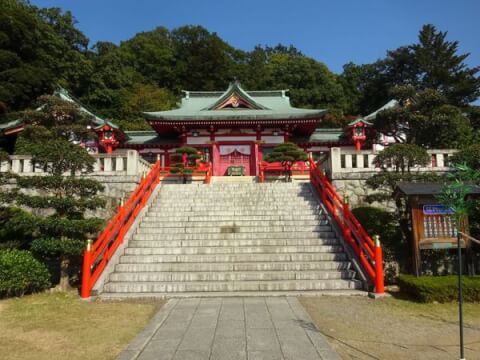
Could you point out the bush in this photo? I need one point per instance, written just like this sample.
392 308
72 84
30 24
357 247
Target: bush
439 288
21 273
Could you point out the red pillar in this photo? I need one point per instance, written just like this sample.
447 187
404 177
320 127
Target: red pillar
215 159
256 159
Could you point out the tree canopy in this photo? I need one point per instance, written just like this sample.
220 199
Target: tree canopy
42 48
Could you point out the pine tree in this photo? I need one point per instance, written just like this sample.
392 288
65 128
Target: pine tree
59 200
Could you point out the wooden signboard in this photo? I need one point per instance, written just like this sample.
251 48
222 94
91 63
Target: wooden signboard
434 227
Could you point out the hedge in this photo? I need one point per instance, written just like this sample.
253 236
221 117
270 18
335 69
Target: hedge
21 273
439 288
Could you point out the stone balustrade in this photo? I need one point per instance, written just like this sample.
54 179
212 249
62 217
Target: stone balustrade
344 163
120 162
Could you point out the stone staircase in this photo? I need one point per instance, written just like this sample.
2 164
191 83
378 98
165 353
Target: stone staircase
232 239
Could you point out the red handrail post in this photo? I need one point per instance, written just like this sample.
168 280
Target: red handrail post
379 282
86 270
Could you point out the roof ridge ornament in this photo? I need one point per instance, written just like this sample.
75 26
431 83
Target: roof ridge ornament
237 98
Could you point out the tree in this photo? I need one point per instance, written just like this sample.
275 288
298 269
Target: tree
186 160
455 195
469 156
287 154
424 118
397 163
59 200
432 62
39 48
142 97
199 52
402 157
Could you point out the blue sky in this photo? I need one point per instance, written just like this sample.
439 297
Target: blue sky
334 31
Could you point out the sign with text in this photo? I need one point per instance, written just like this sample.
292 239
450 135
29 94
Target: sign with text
437 209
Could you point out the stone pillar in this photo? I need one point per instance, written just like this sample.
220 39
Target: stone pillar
334 162
360 163
162 160
108 164
16 166
348 161
440 160
27 166
4 166
119 163
132 162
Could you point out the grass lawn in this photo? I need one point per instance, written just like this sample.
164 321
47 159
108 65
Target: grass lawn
61 326
390 328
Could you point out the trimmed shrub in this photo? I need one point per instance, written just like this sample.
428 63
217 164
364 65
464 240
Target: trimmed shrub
442 289
21 273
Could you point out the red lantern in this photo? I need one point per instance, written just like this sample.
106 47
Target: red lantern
359 135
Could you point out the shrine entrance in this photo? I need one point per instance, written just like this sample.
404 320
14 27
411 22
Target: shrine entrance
235 160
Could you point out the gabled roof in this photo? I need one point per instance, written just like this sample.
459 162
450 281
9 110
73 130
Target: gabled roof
203 105
322 135
411 188
370 117
145 137
99 122
64 95
391 104
235 90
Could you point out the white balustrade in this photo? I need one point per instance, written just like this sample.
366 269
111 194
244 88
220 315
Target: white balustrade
344 160
120 162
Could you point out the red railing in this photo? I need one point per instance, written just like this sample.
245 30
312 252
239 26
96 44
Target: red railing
368 251
201 169
97 254
279 169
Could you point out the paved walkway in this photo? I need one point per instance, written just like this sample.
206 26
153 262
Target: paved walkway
230 329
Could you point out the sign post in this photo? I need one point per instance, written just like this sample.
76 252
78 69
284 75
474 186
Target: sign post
460 296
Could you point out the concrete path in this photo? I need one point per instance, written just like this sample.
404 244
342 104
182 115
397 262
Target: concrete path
230 329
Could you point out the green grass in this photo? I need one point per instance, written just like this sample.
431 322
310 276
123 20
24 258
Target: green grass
439 288
61 326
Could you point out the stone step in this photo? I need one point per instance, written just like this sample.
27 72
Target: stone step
237 212
245 266
199 286
237 236
189 229
241 202
236 193
195 250
151 276
233 207
262 257
147 223
198 218
237 196
233 242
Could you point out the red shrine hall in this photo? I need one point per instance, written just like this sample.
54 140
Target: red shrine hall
236 128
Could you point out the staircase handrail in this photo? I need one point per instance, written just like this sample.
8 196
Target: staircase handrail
201 169
97 254
297 168
368 251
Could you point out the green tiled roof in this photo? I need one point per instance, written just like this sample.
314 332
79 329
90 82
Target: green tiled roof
199 105
64 95
147 137
321 135
10 125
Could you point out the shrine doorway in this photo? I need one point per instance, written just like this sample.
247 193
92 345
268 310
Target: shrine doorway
234 158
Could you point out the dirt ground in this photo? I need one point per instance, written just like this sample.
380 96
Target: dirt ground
389 328
60 326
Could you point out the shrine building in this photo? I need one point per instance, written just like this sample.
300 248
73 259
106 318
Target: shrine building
233 128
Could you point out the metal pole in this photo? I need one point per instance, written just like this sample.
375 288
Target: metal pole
460 297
